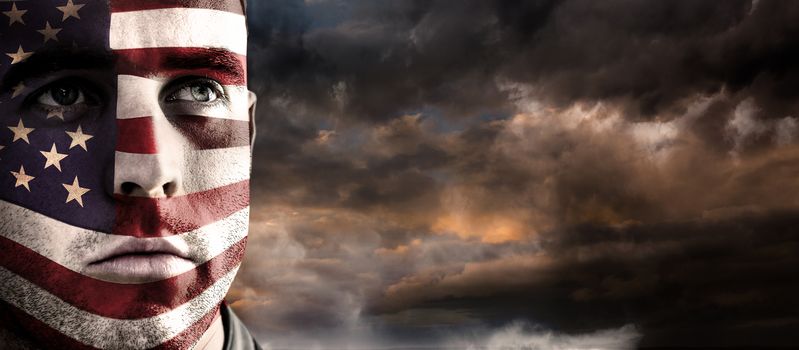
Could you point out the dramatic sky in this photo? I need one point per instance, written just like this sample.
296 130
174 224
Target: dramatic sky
485 173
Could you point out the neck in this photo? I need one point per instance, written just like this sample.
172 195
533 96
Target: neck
12 341
214 337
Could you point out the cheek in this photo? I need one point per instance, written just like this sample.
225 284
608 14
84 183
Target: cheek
53 155
222 238
43 250
37 233
213 133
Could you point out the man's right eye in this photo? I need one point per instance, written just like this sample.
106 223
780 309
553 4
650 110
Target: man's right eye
62 95
67 99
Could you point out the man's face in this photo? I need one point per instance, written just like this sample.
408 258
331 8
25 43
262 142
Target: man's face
124 168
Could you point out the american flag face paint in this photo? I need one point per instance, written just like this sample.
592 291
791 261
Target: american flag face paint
124 169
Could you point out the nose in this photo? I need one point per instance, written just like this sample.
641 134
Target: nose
154 174
149 153
151 175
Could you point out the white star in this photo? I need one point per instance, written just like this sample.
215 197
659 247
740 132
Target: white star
49 32
21 132
15 15
55 113
79 138
75 192
19 56
53 158
22 178
17 90
70 10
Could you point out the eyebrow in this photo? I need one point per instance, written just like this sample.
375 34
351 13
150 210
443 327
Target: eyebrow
221 64
43 62
58 58
220 60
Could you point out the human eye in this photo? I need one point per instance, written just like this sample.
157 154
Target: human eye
66 99
62 96
196 90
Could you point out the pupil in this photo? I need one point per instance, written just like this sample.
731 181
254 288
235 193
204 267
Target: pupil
202 93
65 96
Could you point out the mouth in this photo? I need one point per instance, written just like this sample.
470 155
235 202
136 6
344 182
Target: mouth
139 261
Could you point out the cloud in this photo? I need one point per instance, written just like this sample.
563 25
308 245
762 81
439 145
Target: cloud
553 215
646 57
425 169
520 336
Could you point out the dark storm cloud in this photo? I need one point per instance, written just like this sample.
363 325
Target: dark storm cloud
574 227
425 167
395 57
716 282
319 65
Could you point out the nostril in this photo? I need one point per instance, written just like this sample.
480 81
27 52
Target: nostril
128 188
169 189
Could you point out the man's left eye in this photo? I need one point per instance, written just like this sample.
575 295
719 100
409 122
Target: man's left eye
203 91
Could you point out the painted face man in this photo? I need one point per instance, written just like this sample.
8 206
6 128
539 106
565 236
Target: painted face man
125 133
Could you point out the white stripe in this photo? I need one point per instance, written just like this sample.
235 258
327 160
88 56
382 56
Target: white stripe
179 27
140 97
104 332
194 170
74 248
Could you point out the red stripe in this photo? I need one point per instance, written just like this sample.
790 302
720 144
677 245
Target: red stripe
116 300
138 5
191 335
226 67
31 329
137 135
160 217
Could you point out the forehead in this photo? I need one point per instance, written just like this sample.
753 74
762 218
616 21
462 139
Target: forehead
32 26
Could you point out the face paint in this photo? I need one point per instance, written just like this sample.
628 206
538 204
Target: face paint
124 169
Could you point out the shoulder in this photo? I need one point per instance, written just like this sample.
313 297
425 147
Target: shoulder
237 337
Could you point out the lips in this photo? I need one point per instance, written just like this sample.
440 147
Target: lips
139 261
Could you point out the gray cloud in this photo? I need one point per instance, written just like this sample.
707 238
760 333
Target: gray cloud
426 168
396 58
519 335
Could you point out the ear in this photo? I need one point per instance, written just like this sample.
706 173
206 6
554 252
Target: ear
253 99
